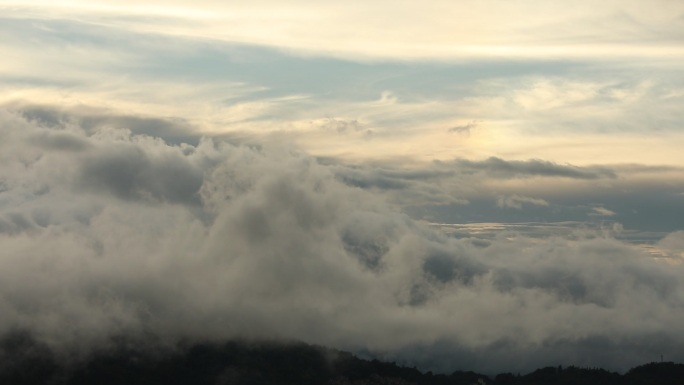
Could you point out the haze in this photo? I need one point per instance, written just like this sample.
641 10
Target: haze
481 185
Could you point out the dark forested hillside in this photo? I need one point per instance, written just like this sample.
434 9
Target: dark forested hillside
24 361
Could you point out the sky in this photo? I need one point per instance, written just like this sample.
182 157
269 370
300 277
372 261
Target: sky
482 185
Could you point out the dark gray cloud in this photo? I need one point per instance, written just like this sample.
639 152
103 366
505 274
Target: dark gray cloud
15 223
464 128
407 187
60 141
448 266
128 234
131 173
497 167
174 131
641 197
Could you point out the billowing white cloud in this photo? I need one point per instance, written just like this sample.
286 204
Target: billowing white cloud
106 232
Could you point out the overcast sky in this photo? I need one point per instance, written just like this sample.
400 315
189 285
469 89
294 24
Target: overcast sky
487 185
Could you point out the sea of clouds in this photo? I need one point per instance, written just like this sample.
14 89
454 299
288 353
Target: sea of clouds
105 232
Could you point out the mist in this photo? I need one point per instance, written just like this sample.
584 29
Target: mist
108 232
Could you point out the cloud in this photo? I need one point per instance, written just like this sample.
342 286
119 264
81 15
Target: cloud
383 30
643 198
516 201
215 84
602 211
498 167
60 142
120 219
341 126
405 187
129 172
673 245
127 234
464 128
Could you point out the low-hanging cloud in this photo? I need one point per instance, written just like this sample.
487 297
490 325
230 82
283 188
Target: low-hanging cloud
105 232
498 167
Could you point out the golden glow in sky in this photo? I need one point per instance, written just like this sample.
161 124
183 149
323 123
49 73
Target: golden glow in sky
583 84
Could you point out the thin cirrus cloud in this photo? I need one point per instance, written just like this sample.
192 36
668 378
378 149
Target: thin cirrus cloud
385 30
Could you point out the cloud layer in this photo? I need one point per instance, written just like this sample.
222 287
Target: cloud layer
106 232
383 29
591 84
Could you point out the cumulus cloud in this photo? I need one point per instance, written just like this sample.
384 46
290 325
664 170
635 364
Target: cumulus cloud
106 232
